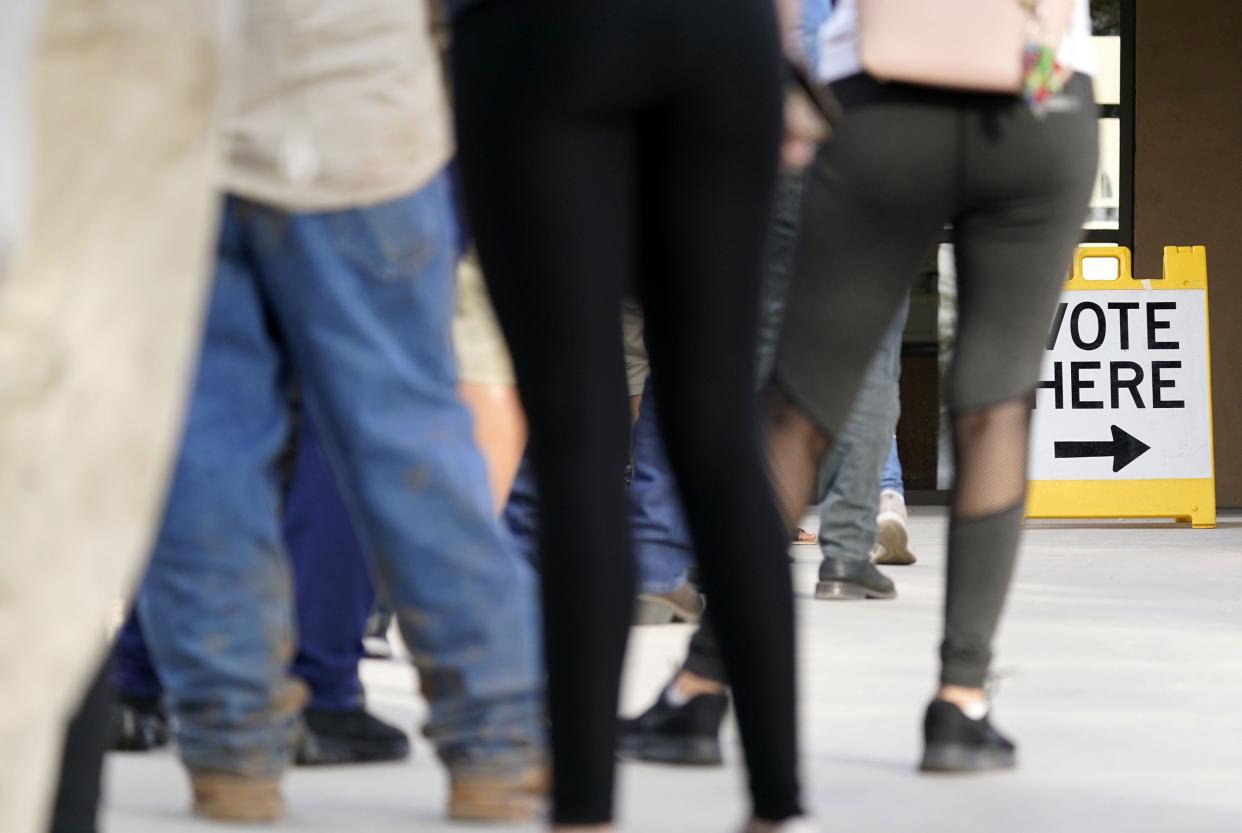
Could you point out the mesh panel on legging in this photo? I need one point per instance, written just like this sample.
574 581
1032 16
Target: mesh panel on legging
795 446
990 447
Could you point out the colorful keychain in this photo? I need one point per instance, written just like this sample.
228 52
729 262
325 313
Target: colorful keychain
1043 76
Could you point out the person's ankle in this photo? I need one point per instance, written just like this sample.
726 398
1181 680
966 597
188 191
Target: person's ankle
965 698
690 685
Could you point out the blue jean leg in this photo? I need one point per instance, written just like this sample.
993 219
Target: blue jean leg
521 515
216 604
333 598
363 300
849 480
662 538
333 588
893 478
133 675
333 595
657 525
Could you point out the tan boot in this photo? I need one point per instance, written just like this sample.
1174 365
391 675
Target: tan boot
221 796
684 604
481 796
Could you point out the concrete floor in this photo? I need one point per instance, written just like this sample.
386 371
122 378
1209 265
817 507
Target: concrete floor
1121 677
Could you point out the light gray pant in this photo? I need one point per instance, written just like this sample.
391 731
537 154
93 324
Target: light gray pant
849 478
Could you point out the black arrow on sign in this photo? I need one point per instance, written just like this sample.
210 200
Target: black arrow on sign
1123 448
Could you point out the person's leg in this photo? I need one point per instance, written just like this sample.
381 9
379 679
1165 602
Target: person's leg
334 597
893 521
364 299
850 475
332 586
521 514
486 381
76 807
661 538
637 364
133 675
1014 242
709 162
879 193
554 217
893 479
216 605
98 324
499 432
683 725
141 723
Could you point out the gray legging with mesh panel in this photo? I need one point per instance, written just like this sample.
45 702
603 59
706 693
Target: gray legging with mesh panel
905 161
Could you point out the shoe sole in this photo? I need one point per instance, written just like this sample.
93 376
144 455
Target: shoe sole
947 758
327 752
654 610
842 591
894 536
681 752
233 798
488 803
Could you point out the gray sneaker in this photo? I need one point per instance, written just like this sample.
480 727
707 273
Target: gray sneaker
685 604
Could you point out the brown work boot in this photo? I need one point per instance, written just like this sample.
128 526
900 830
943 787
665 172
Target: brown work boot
222 796
478 795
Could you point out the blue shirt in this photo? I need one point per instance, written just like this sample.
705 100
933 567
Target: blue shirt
814 13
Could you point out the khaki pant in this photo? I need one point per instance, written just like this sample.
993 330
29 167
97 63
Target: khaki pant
483 356
99 321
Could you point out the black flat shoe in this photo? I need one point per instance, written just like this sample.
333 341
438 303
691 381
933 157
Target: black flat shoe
350 737
688 734
955 743
840 579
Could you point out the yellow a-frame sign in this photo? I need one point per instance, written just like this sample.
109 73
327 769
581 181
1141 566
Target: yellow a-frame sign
1123 419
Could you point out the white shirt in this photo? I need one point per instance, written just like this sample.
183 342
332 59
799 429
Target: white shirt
838 42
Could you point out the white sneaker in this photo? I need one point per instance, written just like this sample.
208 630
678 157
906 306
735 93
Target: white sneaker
893 531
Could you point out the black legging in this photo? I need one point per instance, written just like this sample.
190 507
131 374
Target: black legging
88 736
604 145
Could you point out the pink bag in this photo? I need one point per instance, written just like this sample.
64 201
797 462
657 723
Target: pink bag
959 44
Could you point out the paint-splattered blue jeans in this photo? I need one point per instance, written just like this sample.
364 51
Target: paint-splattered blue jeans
355 305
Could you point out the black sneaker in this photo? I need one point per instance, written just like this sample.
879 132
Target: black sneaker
688 734
351 737
955 743
139 724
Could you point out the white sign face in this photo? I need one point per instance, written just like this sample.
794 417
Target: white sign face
1123 394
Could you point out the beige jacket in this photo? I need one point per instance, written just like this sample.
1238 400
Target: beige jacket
337 103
